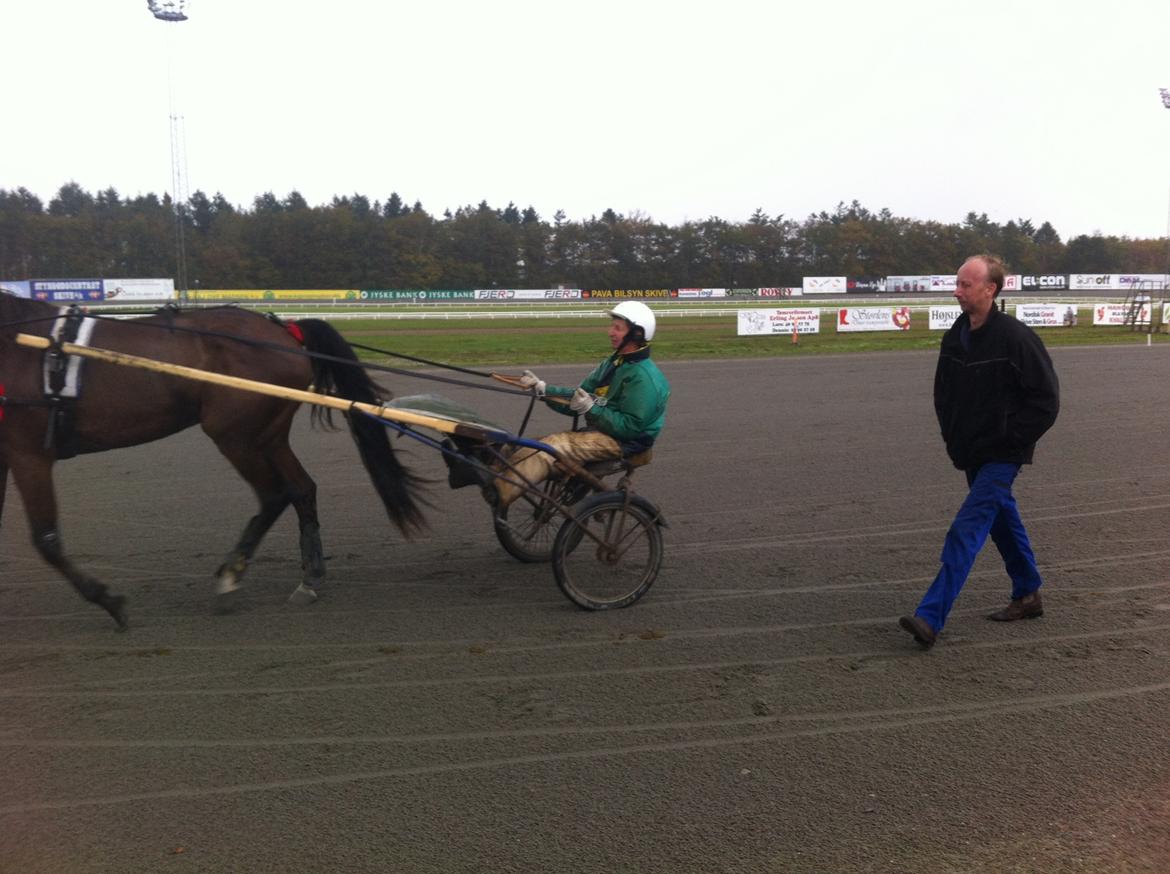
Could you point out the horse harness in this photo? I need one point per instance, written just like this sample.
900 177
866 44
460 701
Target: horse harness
62 379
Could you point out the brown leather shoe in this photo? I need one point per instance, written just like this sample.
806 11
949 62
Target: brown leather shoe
1027 607
923 633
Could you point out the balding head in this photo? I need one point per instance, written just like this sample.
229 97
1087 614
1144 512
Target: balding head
994 271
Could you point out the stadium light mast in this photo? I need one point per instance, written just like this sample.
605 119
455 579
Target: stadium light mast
173 12
1165 94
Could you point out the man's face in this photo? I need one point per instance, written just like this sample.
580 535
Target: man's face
618 329
973 290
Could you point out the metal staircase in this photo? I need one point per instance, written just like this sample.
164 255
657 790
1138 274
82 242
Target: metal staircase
1143 306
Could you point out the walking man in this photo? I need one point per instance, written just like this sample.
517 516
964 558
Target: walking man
995 394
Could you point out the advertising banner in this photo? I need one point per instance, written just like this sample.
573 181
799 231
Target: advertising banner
1011 282
1115 313
943 282
755 323
1141 281
823 284
900 284
1045 281
65 290
873 319
942 318
18 287
1047 315
866 286
743 292
787 291
138 289
527 294
635 293
1091 281
419 294
702 292
273 294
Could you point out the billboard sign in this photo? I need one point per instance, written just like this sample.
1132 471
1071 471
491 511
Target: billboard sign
1043 281
527 294
18 287
824 284
1083 281
873 319
704 293
901 284
942 318
787 291
865 286
138 289
1047 315
629 293
66 290
758 323
1146 281
413 294
1115 314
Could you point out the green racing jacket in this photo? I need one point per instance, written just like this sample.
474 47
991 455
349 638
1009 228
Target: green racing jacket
631 399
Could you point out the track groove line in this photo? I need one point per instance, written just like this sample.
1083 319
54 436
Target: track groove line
583 755
564 731
955 649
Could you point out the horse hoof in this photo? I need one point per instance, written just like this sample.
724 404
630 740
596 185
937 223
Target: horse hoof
115 605
302 596
227 602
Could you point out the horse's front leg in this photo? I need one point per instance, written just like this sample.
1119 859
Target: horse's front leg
33 476
229 574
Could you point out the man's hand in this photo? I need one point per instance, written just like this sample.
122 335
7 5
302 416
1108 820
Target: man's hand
528 379
581 402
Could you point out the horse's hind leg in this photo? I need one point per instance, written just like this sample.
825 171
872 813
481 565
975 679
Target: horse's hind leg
34 480
302 492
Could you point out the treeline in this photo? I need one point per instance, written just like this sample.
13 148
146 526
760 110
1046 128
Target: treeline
355 243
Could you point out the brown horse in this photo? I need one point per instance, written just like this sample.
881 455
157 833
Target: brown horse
121 406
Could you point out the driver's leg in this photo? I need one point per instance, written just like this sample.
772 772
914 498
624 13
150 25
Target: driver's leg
534 466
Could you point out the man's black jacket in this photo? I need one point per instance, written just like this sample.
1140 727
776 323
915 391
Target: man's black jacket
995 391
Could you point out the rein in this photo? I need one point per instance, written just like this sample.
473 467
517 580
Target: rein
304 353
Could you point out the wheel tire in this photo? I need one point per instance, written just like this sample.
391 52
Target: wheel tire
527 528
592 575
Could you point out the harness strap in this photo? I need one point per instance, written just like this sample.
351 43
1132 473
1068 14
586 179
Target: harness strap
62 378
61 371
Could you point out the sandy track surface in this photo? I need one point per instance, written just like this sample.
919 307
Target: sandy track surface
443 708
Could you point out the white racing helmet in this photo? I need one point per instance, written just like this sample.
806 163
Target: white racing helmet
638 315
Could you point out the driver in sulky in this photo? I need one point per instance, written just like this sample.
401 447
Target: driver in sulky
623 402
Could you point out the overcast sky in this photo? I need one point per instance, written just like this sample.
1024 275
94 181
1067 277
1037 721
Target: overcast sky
675 110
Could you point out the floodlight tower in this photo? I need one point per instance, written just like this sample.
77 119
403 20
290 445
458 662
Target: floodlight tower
172 12
1165 93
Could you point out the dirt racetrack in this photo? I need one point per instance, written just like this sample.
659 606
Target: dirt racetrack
443 708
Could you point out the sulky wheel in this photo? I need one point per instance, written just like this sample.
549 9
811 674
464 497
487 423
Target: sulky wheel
617 564
527 527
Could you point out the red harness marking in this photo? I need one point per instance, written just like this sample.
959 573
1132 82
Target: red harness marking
295 329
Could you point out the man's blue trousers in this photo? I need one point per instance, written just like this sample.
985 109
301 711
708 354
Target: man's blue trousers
989 509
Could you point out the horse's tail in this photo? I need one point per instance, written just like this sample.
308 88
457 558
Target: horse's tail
396 486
